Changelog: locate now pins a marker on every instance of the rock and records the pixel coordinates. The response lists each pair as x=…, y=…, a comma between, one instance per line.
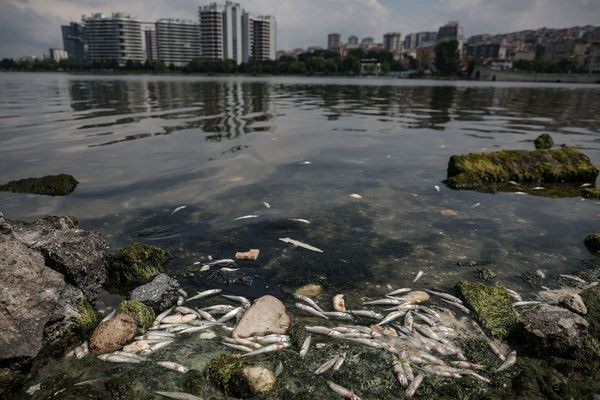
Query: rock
x=551, y=330
x=266, y=315
x=251, y=255
x=259, y=378
x=137, y=263
x=416, y=297
x=142, y=314
x=51, y=185
x=592, y=242
x=159, y=294
x=225, y=372
x=573, y=302
x=591, y=193
x=447, y=212
x=591, y=299
x=486, y=274
x=473, y=171
x=544, y=142
x=193, y=382
x=310, y=290
x=491, y=306
x=111, y=335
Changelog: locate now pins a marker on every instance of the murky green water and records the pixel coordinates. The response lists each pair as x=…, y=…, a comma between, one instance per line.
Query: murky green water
x=143, y=145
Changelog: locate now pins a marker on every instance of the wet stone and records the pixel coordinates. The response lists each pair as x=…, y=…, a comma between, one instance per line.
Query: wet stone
x=51, y=185
x=265, y=316
x=159, y=294
x=111, y=335
x=310, y=290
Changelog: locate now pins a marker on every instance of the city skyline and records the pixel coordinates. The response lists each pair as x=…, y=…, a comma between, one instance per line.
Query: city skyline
x=31, y=24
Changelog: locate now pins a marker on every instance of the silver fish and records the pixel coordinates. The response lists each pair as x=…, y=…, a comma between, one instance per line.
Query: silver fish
x=218, y=309
x=407, y=369
x=475, y=375
x=419, y=275
x=460, y=306
x=338, y=315
x=205, y=315
x=230, y=315
x=573, y=278
x=467, y=365
x=157, y=346
x=339, y=362
x=515, y=295
x=268, y=349
x=309, y=301
x=225, y=269
x=180, y=300
x=187, y=310
x=496, y=351
x=437, y=188
x=270, y=339
x=155, y=335
x=178, y=209
x=513, y=183
x=383, y=302
x=178, y=395
x=246, y=217
x=110, y=316
x=510, y=360
x=304, y=221
x=399, y=291
x=321, y=330
x=342, y=391
x=400, y=374
x=414, y=385
x=204, y=294
x=310, y=310
x=182, y=292
x=585, y=185
x=305, y=346
x=178, y=319
x=445, y=296
x=326, y=366
x=475, y=205
x=223, y=261
x=526, y=303
x=300, y=244
x=118, y=359
x=391, y=317
x=279, y=369
x=239, y=347
x=173, y=366
x=239, y=299
x=194, y=329
x=266, y=204
x=408, y=321
x=425, y=319
x=540, y=273
x=367, y=314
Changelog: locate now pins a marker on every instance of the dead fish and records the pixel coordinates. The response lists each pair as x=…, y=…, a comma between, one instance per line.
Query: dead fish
x=437, y=188
x=305, y=346
x=116, y=358
x=475, y=205
x=520, y=193
x=467, y=365
x=419, y=275
x=223, y=261
x=510, y=360
x=187, y=310
x=268, y=349
x=155, y=335
x=496, y=351
x=391, y=317
x=305, y=163
x=475, y=375
x=573, y=278
x=514, y=295
x=414, y=385
x=460, y=306
x=110, y=316
x=218, y=309
x=367, y=314
x=513, y=183
x=204, y=294
x=384, y=302
x=82, y=351
x=526, y=303
x=182, y=292
x=342, y=391
x=206, y=315
x=321, y=330
x=210, y=335
x=137, y=346
x=408, y=321
x=225, y=269
x=326, y=366
x=339, y=362
x=180, y=300
x=270, y=339
x=585, y=185
x=178, y=395
x=399, y=291
x=179, y=319
x=239, y=347
x=278, y=370
x=246, y=217
x=311, y=310
x=304, y=221
x=178, y=209
x=239, y=299
x=425, y=331
x=173, y=366
x=356, y=196
x=309, y=301
x=400, y=374
x=230, y=315
x=88, y=382
x=300, y=244
x=538, y=188
x=266, y=204
x=540, y=273
x=338, y=315
x=194, y=329
x=445, y=296
x=157, y=346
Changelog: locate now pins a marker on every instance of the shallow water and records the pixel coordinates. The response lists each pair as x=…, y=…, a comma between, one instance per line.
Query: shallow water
x=143, y=145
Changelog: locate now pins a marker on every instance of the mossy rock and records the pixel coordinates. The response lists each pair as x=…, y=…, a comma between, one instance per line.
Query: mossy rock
x=193, y=382
x=476, y=170
x=591, y=193
x=142, y=314
x=297, y=334
x=591, y=299
x=225, y=372
x=486, y=274
x=491, y=306
x=137, y=263
x=51, y=185
x=544, y=142
x=592, y=242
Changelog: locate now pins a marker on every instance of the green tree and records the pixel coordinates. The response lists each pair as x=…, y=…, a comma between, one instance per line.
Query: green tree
x=447, y=57
x=297, y=67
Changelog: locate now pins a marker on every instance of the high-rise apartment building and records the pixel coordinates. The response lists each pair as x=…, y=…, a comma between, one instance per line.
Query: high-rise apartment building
x=150, y=45
x=211, y=32
x=264, y=38
x=177, y=41
x=116, y=38
x=426, y=39
x=353, y=41
x=452, y=31
x=334, y=42
x=74, y=42
x=232, y=31
x=58, y=54
x=392, y=42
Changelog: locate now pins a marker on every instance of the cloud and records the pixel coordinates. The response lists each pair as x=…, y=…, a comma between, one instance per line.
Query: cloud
x=32, y=26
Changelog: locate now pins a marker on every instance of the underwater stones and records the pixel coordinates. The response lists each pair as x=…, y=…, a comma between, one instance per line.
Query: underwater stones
x=544, y=142
x=250, y=255
x=568, y=298
x=51, y=185
x=415, y=297
x=564, y=165
x=160, y=294
x=486, y=274
x=591, y=193
x=266, y=315
x=259, y=378
x=573, y=302
x=193, y=381
x=141, y=313
x=111, y=335
x=225, y=372
x=310, y=290
x=592, y=242
x=491, y=305
x=551, y=330
x=591, y=299
x=137, y=263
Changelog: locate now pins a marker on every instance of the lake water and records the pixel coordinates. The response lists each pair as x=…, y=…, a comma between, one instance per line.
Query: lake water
x=142, y=146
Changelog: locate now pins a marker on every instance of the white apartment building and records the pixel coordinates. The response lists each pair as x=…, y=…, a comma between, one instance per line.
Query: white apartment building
x=116, y=38
x=177, y=41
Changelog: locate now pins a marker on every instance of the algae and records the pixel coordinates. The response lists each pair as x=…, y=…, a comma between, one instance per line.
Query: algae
x=88, y=318
x=137, y=263
x=193, y=381
x=142, y=314
x=491, y=306
x=51, y=185
x=591, y=193
x=225, y=372
x=297, y=334
x=486, y=274
x=564, y=165
x=591, y=299
x=592, y=242
x=544, y=142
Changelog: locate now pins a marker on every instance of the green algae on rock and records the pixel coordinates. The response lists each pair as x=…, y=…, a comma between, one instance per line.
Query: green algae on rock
x=50, y=185
x=486, y=274
x=491, y=306
x=592, y=242
x=564, y=165
x=591, y=299
x=226, y=373
x=88, y=318
x=544, y=142
x=137, y=263
x=141, y=313
x=591, y=193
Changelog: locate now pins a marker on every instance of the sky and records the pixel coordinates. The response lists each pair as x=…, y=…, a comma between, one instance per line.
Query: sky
x=31, y=27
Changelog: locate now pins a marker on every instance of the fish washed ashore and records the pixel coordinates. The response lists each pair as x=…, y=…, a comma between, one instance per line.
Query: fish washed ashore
x=479, y=342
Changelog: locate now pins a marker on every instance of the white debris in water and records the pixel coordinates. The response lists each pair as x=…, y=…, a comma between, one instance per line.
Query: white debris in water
x=356, y=196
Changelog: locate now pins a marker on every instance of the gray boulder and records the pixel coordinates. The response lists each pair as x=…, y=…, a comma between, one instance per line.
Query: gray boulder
x=267, y=315
x=553, y=330
x=160, y=294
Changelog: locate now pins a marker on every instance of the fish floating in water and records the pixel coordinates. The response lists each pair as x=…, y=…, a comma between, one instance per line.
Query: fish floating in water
x=342, y=391
x=326, y=366
x=305, y=163
x=520, y=193
x=356, y=196
x=178, y=395
x=173, y=366
x=414, y=385
x=246, y=217
x=305, y=346
x=266, y=204
x=585, y=185
x=511, y=359
x=304, y=221
x=300, y=244
x=268, y=349
x=437, y=188
x=573, y=278
x=311, y=310
x=110, y=316
x=178, y=209
x=419, y=275
x=399, y=291
x=475, y=205
x=204, y=294
x=540, y=273
x=309, y=301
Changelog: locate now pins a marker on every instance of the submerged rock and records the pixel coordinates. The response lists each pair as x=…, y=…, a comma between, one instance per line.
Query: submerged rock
x=544, y=142
x=551, y=330
x=566, y=297
x=591, y=193
x=137, y=263
x=141, y=313
x=266, y=315
x=225, y=372
x=310, y=290
x=591, y=299
x=51, y=185
x=491, y=306
x=592, y=242
x=486, y=274
x=573, y=302
x=564, y=165
x=260, y=379
x=159, y=294
x=111, y=335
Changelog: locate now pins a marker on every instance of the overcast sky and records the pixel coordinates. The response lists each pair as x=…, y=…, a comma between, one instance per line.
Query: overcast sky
x=30, y=27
